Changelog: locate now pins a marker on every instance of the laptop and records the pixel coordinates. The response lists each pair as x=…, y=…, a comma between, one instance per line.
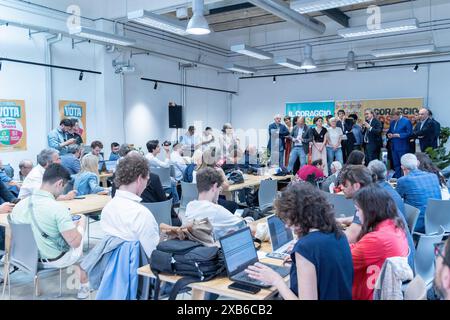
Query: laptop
x=280, y=238
x=110, y=166
x=239, y=252
x=101, y=166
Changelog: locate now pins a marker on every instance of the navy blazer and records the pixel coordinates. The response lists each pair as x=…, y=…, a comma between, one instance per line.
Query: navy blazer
x=426, y=135
x=306, y=136
x=374, y=135
x=404, y=128
x=283, y=133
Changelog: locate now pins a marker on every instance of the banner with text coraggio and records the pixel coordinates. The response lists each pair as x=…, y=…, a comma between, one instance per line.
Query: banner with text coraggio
x=13, y=126
x=74, y=110
x=309, y=110
x=383, y=108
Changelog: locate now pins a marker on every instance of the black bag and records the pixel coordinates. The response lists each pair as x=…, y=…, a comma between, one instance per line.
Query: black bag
x=250, y=197
x=190, y=259
x=236, y=177
x=257, y=213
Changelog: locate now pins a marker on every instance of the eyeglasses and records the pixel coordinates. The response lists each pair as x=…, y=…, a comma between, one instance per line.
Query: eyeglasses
x=438, y=251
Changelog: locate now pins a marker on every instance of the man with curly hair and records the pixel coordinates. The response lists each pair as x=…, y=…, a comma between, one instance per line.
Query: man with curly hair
x=124, y=217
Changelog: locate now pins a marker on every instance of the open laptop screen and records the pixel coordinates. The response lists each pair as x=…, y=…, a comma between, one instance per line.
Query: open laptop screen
x=239, y=250
x=110, y=166
x=279, y=234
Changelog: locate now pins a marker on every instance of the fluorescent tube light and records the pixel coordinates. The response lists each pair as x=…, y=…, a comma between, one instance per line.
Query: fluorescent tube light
x=380, y=53
x=307, y=6
x=252, y=52
x=100, y=36
x=158, y=21
x=387, y=27
x=242, y=69
x=288, y=63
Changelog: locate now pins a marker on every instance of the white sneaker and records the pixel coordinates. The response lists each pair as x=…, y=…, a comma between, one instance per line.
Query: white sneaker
x=83, y=292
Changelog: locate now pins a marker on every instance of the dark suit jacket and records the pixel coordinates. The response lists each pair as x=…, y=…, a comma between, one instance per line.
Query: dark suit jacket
x=306, y=136
x=374, y=135
x=404, y=128
x=426, y=135
x=284, y=132
x=5, y=194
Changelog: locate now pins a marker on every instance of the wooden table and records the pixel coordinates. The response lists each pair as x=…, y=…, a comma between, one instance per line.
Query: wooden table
x=220, y=285
x=104, y=178
x=91, y=204
x=253, y=181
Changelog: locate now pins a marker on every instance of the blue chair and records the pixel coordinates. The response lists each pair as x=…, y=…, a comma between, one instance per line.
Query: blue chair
x=162, y=211
x=343, y=207
x=411, y=215
x=437, y=215
x=267, y=193
x=189, y=193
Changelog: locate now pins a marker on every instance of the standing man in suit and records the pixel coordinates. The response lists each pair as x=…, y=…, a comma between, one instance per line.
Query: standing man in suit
x=372, y=130
x=301, y=137
x=425, y=130
x=399, y=132
x=277, y=133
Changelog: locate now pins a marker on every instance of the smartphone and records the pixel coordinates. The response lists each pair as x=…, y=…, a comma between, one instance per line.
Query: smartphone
x=244, y=287
x=80, y=197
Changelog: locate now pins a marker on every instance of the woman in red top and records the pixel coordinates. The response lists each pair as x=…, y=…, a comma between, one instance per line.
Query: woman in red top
x=311, y=172
x=382, y=236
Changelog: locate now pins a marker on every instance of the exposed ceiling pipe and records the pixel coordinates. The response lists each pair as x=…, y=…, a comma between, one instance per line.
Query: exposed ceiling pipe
x=282, y=10
x=50, y=41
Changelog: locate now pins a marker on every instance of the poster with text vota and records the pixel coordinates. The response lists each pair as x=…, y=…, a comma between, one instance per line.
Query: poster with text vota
x=309, y=110
x=74, y=110
x=13, y=126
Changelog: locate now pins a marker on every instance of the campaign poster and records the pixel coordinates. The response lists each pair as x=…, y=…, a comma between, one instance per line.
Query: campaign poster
x=13, y=126
x=74, y=110
x=309, y=110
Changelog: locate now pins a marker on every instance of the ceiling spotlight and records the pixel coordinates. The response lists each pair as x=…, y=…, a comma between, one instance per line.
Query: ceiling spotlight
x=416, y=68
x=274, y=79
x=0, y=66
x=156, y=85
x=308, y=62
x=81, y=76
x=198, y=24
x=351, y=64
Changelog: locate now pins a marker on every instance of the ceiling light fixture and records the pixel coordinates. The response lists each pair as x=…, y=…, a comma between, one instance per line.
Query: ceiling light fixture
x=241, y=69
x=100, y=36
x=274, y=79
x=308, y=61
x=416, y=68
x=288, y=63
x=251, y=52
x=198, y=24
x=404, y=51
x=351, y=64
x=81, y=76
x=158, y=21
x=307, y=6
x=387, y=27
x=156, y=85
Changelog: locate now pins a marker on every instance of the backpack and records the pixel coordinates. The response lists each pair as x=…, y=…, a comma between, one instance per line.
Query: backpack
x=190, y=259
x=236, y=177
x=188, y=173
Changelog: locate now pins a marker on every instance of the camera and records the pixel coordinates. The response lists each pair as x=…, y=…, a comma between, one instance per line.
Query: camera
x=167, y=144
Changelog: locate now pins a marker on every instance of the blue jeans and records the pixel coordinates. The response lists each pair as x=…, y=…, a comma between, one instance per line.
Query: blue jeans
x=173, y=191
x=296, y=152
x=334, y=155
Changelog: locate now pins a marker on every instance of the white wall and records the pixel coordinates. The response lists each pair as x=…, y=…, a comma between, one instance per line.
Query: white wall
x=146, y=109
x=260, y=99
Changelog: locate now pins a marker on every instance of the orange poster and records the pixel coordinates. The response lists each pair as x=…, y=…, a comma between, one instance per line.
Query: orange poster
x=13, y=126
x=74, y=110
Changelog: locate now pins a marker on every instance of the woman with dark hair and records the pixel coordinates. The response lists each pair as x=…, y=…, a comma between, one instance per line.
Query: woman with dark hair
x=322, y=266
x=382, y=236
x=356, y=157
x=425, y=164
x=319, y=150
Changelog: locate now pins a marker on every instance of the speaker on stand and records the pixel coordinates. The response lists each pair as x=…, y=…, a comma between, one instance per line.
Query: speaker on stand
x=175, y=117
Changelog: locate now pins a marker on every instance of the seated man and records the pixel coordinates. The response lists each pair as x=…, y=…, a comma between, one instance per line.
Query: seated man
x=124, y=216
x=9, y=182
x=209, y=185
x=34, y=179
x=58, y=138
x=96, y=150
x=332, y=179
x=176, y=158
x=59, y=239
x=114, y=156
x=71, y=160
x=311, y=172
x=416, y=187
x=25, y=166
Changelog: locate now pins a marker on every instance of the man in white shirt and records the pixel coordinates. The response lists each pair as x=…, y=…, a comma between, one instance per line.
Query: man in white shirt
x=209, y=185
x=190, y=141
x=33, y=180
x=208, y=139
x=178, y=162
x=124, y=217
x=153, y=150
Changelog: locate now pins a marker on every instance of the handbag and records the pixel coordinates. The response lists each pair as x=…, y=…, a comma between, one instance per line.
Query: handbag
x=200, y=231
